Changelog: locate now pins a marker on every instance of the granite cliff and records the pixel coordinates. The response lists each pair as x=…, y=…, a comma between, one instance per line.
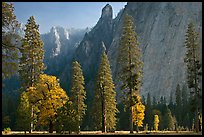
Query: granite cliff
x=161, y=27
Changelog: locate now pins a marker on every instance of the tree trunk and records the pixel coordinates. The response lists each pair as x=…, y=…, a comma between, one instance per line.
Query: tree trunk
x=78, y=129
x=137, y=129
x=131, y=121
x=50, y=127
x=196, y=121
x=31, y=122
x=103, y=116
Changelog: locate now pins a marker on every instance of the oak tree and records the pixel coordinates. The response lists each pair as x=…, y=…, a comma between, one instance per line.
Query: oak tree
x=48, y=96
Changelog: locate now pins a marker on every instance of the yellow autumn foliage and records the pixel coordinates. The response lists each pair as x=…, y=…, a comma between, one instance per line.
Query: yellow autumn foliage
x=156, y=122
x=48, y=96
x=138, y=113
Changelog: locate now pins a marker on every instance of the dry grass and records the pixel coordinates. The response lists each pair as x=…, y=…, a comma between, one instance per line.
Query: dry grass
x=100, y=133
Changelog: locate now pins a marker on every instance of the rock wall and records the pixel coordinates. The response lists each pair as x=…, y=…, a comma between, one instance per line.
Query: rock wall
x=161, y=27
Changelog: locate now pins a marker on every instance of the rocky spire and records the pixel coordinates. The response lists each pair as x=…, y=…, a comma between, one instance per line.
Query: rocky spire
x=107, y=12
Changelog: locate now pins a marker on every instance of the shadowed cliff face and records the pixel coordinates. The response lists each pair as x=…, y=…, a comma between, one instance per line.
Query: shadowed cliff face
x=89, y=52
x=161, y=29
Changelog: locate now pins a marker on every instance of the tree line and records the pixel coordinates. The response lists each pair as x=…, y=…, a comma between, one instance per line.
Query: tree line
x=174, y=115
x=45, y=105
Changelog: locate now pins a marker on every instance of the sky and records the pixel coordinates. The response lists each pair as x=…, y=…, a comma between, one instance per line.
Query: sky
x=64, y=14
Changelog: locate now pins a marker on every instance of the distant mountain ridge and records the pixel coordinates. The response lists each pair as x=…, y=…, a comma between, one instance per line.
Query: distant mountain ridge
x=60, y=44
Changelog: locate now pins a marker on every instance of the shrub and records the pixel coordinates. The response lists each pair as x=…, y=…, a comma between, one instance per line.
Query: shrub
x=7, y=130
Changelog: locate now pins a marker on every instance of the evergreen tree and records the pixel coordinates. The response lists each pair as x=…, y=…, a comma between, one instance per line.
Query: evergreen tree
x=178, y=104
x=66, y=118
x=31, y=61
x=32, y=54
x=171, y=103
x=130, y=65
x=143, y=100
x=193, y=69
x=191, y=112
x=154, y=103
x=184, y=103
x=122, y=117
x=104, y=104
x=162, y=105
x=168, y=120
x=78, y=93
x=10, y=40
x=24, y=113
x=148, y=110
x=164, y=101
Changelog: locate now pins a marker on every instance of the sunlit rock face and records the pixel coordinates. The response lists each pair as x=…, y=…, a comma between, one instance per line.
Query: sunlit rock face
x=59, y=46
x=161, y=28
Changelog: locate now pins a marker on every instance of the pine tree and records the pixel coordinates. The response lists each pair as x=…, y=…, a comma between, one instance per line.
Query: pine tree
x=24, y=113
x=66, y=118
x=31, y=61
x=143, y=100
x=178, y=104
x=104, y=109
x=191, y=111
x=193, y=68
x=130, y=65
x=148, y=110
x=78, y=93
x=10, y=40
x=184, y=103
x=154, y=103
x=156, y=122
x=32, y=54
x=168, y=120
x=162, y=105
x=171, y=105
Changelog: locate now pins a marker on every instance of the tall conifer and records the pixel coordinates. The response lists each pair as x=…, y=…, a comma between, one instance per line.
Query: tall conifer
x=104, y=98
x=193, y=69
x=78, y=93
x=130, y=65
x=31, y=62
x=10, y=40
